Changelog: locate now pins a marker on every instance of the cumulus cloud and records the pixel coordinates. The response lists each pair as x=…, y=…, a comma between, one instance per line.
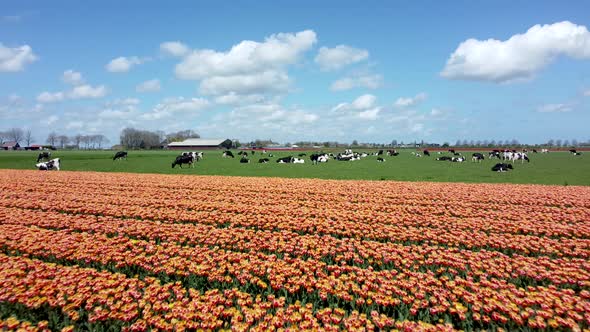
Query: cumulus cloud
x=233, y=98
x=361, y=81
x=149, y=86
x=246, y=57
x=171, y=106
x=72, y=77
x=260, y=82
x=15, y=59
x=78, y=92
x=339, y=56
x=123, y=64
x=174, y=48
x=371, y=114
x=50, y=120
x=520, y=57
x=410, y=101
x=554, y=108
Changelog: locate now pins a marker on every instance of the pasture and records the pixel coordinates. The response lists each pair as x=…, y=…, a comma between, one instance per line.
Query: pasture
x=560, y=168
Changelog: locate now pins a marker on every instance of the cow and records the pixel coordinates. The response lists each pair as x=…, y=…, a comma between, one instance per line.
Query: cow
x=458, y=159
x=244, y=160
x=534, y=150
x=44, y=155
x=227, y=154
x=263, y=161
x=502, y=167
x=301, y=155
x=494, y=154
x=120, y=155
x=444, y=158
x=184, y=160
x=572, y=151
x=298, y=161
x=253, y=152
x=380, y=160
x=392, y=152
x=544, y=150
x=477, y=157
x=49, y=165
x=380, y=153
x=426, y=153
x=318, y=158
x=270, y=155
x=285, y=160
x=452, y=151
x=578, y=154
x=197, y=155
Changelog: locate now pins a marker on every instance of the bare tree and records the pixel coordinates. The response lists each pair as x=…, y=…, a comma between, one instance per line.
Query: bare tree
x=16, y=134
x=63, y=140
x=100, y=139
x=77, y=140
x=52, y=138
x=28, y=137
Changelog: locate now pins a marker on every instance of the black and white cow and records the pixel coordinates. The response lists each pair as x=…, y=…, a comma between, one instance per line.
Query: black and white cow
x=502, y=167
x=319, y=158
x=44, y=155
x=392, y=152
x=263, y=161
x=534, y=150
x=477, y=157
x=298, y=161
x=184, y=160
x=380, y=160
x=380, y=153
x=244, y=159
x=49, y=165
x=285, y=160
x=573, y=151
x=426, y=153
x=444, y=158
x=195, y=154
x=227, y=154
x=578, y=154
x=120, y=155
x=458, y=159
x=495, y=154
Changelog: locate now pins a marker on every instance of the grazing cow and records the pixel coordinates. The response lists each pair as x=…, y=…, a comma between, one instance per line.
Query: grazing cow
x=380, y=160
x=458, y=159
x=244, y=160
x=318, y=158
x=392, y=152
x=477, y=157
x=501, y=167
x=573, y=151
x=184, y=160
x=534, y=150
x=120, y=155
x=380, y=153
x=298, y=161
x=285, y=160
x=444, y=158
x=426, y=153
x=197, y=155
x=227, y=154
x=49, y=165
x=263, y=161
x=494, y=154
x=44, y=155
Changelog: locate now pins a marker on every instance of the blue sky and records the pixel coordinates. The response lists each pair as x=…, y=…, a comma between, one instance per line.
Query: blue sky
x=368, y=71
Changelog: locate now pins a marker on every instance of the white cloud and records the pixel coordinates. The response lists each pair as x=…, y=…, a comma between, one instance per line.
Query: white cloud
x=362, y=107
x=554, y=108
x=170, y=106
x=78, y=92
x=339, y=56
x=255, y=83
x=233, y=98
x=410, y=101
x=87, y=91
x=174, y=48
x=364, y=102
x=149, y=86
x=74, y=125
x=123, y=64
x=521, y=56
x=362, y=81
x=50, y=120
x=48, y=97
x=247, y=57
x=15, y=59
x=371, y=114
x=72, y=77
x=436, y=112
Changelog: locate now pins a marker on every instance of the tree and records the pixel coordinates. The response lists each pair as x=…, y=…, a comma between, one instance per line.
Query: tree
x=77, y=140
x=16, y=134
x=62, y=140
x=182, y=135
x=139, y=139
x=558, y=142
x=28, y=137
x=551, y=142
x=458, y=143
x=574, y=142
x=101, y=139
x=566, y=143
x=394, y=142
x=355, y=143
x=51, y=138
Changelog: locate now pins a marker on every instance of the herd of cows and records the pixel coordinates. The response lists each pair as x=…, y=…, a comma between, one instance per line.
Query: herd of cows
x=506, y=157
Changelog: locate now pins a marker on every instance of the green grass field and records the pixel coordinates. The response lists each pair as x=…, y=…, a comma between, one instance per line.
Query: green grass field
x=559, y=168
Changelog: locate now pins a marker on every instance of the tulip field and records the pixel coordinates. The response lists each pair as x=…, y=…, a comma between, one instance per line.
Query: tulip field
x=138, y=252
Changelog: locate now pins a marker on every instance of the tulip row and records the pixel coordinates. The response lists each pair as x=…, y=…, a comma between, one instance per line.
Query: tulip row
x=380, y=256
x=310, y=279
x=138, y=305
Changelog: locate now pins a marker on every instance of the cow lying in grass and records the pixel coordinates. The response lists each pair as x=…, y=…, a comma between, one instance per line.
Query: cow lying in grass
x=49, y=165
x=502, y=167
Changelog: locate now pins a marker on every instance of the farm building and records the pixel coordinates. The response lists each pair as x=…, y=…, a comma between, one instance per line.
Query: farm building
x=199, y=143
x=10, y=146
